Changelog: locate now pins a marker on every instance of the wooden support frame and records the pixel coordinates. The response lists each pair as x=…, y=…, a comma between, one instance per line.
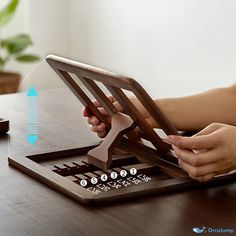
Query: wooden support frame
x=88, y=76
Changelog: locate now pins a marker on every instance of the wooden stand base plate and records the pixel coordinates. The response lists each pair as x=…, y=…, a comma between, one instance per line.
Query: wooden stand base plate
x=68, y=170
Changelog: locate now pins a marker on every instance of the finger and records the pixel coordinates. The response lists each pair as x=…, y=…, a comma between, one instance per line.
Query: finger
x=152, y=122
x=118, y=106
x=110, y=97
x=96, y=103
x=93, y=120
x=103, y=111
x=220, y=166
x=99, y=128
x=194, y=171
x=86, y=112
x=197, y=159
x=208, y=130
x=204, y=178
x=102, y=134
x=114, y=103
x=194, y=143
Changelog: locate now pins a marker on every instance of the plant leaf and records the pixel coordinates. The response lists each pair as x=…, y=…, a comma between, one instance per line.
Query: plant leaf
x=1, y=61
x=8, y=12
x=27, y=58
x=17, y=44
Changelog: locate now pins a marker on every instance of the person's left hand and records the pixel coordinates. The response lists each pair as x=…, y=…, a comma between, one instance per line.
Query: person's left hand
x=210, y=152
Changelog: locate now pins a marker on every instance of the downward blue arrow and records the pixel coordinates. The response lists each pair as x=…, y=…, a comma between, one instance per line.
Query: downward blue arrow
x=32, y=92
x=32, y=138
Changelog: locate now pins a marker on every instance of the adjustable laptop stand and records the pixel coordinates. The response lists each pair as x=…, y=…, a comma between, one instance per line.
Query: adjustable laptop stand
x=122, y=166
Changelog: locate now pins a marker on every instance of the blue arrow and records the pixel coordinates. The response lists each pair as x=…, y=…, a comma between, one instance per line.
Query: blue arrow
x=32, y=138
x=32, y=135
x=32, y=92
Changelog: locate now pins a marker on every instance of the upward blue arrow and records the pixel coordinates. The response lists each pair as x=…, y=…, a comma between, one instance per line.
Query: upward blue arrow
x=32, y=138
x=32, y=92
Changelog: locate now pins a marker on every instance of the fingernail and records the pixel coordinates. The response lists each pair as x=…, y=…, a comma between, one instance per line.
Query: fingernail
x=172, y=139
x=173, y=147
x=173, y=153
x=93, y=119
x=164, y=140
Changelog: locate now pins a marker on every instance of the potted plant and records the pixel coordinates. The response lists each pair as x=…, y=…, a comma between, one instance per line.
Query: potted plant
x=12, y=48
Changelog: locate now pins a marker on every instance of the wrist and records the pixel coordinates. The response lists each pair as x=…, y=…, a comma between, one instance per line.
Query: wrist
x=168, y=108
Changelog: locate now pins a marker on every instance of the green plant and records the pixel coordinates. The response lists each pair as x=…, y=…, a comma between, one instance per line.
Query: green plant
x=13, y=47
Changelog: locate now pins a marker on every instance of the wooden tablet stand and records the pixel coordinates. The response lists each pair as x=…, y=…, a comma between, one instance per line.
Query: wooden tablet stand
x=122, y=166
x=121, y=124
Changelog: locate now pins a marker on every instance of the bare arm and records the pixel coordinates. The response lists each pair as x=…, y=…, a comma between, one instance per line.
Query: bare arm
x=186, y=113
x=197, y=111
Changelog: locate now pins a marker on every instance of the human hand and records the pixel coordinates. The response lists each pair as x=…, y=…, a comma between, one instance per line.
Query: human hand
x=100, y=128
x=210, y=152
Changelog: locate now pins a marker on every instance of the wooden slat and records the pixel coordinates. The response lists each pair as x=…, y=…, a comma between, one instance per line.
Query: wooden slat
x=70, y=165
x=136, y=116
x=81, y=177
x=98, y=94
x=79, y=93
x=154, y=110
x=90, y=72
x=60, y=167
x=90, y=175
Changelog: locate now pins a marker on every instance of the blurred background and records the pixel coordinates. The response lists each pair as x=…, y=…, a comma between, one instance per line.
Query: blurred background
x=172, y=47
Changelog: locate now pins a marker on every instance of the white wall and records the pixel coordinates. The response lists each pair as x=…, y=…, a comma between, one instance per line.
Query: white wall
x=172, y=47
x=47, y=23
x=19, y=24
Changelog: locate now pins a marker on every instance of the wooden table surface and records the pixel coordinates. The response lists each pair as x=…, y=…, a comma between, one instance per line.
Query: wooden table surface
x=28, y=207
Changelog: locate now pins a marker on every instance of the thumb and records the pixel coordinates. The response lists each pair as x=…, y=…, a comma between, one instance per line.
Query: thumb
x=193, y=143
x=208, y=130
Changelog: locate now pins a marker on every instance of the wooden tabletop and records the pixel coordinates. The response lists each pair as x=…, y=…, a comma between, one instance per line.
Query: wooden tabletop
x=28, y=207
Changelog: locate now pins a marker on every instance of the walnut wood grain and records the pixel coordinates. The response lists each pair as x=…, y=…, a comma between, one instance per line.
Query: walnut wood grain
x=101, y=156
